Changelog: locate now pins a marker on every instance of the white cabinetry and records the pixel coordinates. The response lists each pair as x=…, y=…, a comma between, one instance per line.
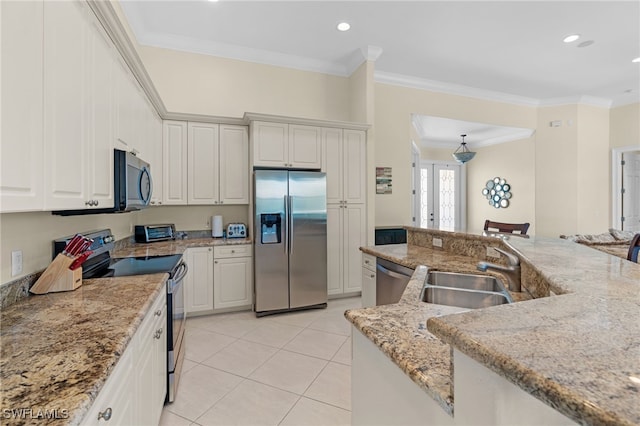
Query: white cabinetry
x=203, y=185
x=368, y=280
x=21, y=149
x=286, y=145
x=344, y=160
x=174, y=157
x=232, y=276
x=234, y=164
x=135, y=391
x=155, y=159
x=198, y=288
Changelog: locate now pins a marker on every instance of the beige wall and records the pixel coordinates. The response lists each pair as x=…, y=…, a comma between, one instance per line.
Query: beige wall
x=201, y=84
x=33, y=233
x=193, y=218
x=394, y=106
x=624, y=126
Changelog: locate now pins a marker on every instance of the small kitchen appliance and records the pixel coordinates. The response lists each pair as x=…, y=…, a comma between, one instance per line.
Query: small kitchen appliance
x=216, y=226
x=151, y=233
x=236, y=230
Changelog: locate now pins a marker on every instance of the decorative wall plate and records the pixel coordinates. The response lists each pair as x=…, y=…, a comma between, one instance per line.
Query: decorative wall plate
x=498, y=192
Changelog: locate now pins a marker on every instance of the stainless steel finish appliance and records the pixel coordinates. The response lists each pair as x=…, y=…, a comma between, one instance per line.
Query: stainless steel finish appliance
x=151, y=233
x=132, y=186
x=391, y=281
x=290, y=239
x=100, y=264
x=236, y=230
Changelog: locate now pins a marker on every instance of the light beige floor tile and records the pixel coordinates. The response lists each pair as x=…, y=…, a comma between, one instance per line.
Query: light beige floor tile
x=346, y=303
x=289, y=371
x=250, y=403
x=333, y=386
x=233, y=325
x=332, y=323
x=201, y=344
x=241, y=357
x=187, y=365
x=343, y=356
x=316, y=343
x=272, y=334
x=308, y=412
x=199, y=389
x=170, y=419
x=297, y=318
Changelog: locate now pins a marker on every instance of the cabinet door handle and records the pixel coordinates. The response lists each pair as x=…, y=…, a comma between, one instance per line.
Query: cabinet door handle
x=233, y=251
x=158, y=312
x=215, y=261
x=158, y=334
x=372, y=276
x=106, y=414
x=366, y=261
x=209, y=248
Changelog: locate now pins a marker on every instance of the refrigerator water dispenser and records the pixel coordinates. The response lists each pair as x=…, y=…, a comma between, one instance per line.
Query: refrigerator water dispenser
x=271, y=224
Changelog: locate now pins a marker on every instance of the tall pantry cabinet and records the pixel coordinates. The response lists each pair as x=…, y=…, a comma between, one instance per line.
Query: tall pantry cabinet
x=344, y=161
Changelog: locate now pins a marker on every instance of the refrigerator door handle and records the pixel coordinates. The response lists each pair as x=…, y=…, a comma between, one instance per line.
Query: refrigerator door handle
x=286, y=224
x=290, y=229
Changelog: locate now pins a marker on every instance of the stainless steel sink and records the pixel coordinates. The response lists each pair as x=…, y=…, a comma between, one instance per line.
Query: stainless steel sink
x=467, y=281
x=464, y=290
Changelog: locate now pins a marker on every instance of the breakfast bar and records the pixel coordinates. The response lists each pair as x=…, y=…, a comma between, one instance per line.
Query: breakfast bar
x=571, y=340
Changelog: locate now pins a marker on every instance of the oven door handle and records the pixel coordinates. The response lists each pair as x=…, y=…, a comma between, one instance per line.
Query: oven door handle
x=181, y=272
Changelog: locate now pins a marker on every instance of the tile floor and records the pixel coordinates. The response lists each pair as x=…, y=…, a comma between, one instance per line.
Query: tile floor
x=287, y=369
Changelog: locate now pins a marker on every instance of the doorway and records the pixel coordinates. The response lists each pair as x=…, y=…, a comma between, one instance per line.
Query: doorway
x=441, y=196
x=626, y=188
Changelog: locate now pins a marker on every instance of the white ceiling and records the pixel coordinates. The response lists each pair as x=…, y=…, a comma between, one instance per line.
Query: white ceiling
x=501, y=50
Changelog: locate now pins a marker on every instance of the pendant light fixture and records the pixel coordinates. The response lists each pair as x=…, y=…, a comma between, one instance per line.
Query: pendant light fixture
x=462, y=154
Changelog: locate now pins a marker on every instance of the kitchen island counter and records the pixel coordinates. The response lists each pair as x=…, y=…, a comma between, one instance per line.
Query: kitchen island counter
x=577, y=352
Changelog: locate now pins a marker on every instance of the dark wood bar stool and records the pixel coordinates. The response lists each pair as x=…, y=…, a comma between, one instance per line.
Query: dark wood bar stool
x=506, y=228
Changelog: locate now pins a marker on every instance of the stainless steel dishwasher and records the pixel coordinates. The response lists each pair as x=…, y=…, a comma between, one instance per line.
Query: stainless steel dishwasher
x=391, y=281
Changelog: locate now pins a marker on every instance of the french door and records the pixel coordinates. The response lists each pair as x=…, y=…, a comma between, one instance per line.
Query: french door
x=442, y=199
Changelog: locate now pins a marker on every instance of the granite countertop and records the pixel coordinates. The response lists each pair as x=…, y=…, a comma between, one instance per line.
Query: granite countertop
x=576, y=351
x=57, y=350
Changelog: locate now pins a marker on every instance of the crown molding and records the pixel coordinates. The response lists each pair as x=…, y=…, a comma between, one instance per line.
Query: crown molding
x=255, y=116
x=577, y=100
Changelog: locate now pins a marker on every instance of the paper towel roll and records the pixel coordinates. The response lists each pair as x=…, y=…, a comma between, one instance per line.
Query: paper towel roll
x=216, y=226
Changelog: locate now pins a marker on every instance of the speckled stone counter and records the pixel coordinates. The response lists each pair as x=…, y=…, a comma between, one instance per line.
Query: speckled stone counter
x=576, y=352
x=58, y=349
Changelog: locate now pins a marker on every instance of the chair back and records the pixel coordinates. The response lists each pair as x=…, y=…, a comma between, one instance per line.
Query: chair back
x=634, y=249
x=506, y=228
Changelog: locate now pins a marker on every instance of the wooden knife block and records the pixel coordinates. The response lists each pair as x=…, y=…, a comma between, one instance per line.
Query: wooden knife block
x=58, y=277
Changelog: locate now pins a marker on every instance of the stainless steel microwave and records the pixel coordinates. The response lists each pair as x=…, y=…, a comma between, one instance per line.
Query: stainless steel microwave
x=132, y=182
x=132, y=186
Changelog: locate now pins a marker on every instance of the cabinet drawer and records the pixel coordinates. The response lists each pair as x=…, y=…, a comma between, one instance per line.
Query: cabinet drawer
x=221, y=252
x=369, y=262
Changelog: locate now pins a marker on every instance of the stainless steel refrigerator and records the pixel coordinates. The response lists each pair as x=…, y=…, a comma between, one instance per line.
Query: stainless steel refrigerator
x=290, y=239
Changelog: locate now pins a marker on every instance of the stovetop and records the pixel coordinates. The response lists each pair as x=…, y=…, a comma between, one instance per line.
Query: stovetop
x=127, y=266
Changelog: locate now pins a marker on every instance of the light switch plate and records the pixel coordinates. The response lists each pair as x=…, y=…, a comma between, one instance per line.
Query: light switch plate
x=437, y=242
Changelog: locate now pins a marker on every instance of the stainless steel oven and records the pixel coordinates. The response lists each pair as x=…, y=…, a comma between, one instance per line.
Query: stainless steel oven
x=176, y=320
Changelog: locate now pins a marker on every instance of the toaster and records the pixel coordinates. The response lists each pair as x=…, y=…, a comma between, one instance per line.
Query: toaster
x=236, y=230
x=151, y=233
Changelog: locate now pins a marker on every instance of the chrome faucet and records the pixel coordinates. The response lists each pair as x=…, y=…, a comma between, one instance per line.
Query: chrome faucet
x=511, y=271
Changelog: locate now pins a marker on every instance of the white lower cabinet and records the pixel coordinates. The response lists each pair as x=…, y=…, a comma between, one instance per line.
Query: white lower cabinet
x=232, y=277
x=198, y=288
x=135, y=391
x=368, y=280
x=346, y=233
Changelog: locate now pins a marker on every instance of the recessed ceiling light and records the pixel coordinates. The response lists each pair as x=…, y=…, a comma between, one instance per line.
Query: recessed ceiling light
x=343, y=26
x=586, y=43
x=636, y=60
x=571, y=38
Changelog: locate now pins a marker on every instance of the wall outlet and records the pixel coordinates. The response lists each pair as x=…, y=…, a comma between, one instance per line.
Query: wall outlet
x=16, y=263
x=491, y=252
x=437, y=242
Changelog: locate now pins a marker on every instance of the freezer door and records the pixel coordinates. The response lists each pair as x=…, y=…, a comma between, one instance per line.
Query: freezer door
x=271, y=258
x=307, y=239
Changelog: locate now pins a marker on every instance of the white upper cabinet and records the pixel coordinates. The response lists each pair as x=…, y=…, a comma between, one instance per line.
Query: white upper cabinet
x=286, y=145
x=270, y=144
x=21, y=150
x=234, y=164
x=344, y=161
x=174, y=160
x=203, y=181
x=218, y=164
x=155, y=159
x=65, y=100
